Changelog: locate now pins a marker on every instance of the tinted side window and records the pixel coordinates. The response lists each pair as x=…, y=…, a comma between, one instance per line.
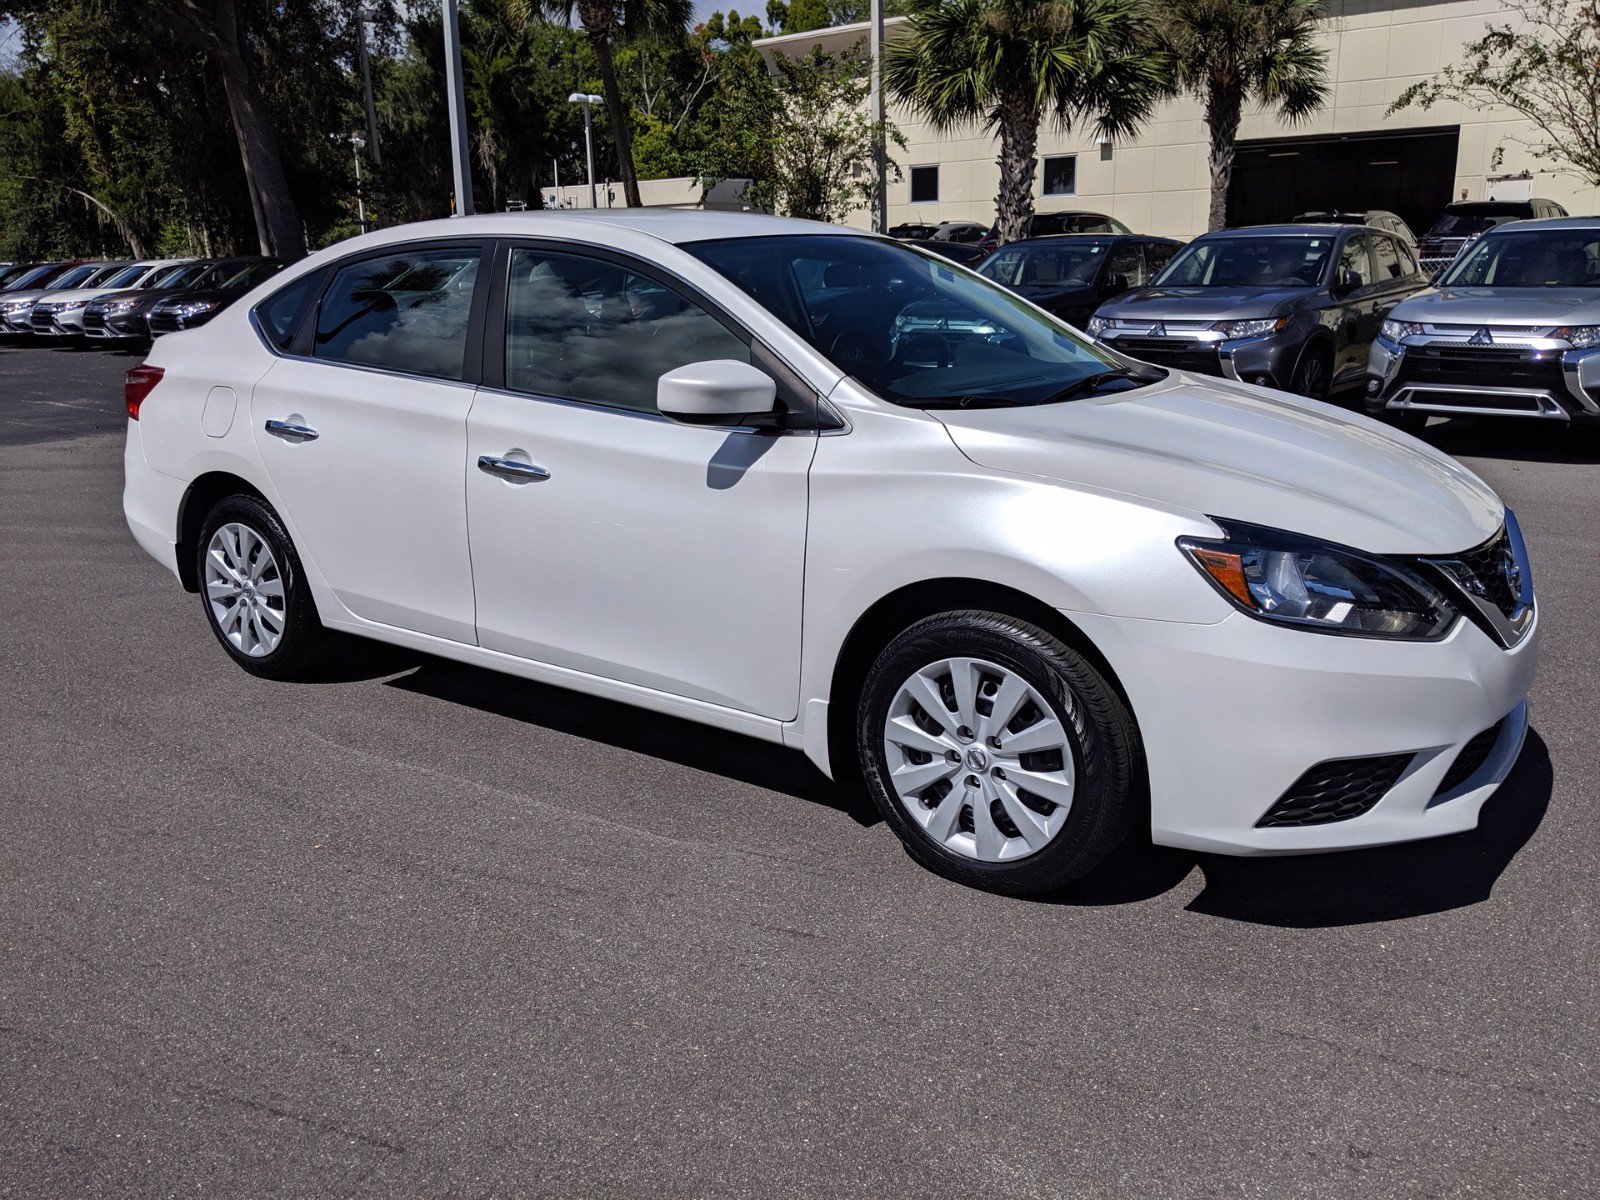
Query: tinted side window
x=403, y=312
x=1354, y=258
x=1127, y=260
x=1386, y=263
x=580, y=328
x=1157, y=255
x=279, y=313
x=1408, y=260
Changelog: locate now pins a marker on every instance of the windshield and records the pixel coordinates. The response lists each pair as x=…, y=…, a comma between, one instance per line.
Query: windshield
x=126, y=277
x=1539, y=258
x=1072, y=261
x=251, y=275
x=1475, y=218
x=182, y=276
x=1265, y=262
x=31, y=278
x=909, y=326
x=75, y=277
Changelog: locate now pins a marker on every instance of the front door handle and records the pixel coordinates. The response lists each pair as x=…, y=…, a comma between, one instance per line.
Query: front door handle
x=291, y=432
x=510, y=468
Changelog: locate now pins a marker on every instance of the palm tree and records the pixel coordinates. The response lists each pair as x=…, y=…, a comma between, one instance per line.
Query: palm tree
x=607, y=23
x=1227, y=53
x=1007, y=64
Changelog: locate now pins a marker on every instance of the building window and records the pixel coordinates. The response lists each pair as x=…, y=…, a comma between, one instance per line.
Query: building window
x=924, y=185
x=1061, y=175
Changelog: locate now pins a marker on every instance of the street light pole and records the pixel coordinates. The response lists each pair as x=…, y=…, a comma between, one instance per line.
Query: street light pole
x=588, y=103
x=457, y=99
x=356, y=143
x=880, y=167
x=362, y=17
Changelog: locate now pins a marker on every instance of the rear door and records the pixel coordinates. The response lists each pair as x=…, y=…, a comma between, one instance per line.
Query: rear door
x=362, y=426
x=1356, y=325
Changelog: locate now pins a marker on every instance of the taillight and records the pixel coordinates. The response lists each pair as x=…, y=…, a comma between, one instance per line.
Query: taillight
x=136, y=385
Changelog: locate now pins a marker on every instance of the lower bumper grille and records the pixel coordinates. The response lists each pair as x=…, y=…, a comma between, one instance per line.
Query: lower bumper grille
x=1473, y=755
x=1172, y=352
x=1335, y=791
x=161, y=322
x=94, y=323
x=1487, y=367
x=43, y=323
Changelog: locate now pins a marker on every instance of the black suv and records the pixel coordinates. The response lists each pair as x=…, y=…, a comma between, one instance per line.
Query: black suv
x=1074, y=274
x=1375, y=218
x=1458, y=224
x=1286, y=306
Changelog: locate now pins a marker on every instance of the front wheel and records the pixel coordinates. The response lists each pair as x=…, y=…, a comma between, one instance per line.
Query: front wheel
x=256, y=598
x=1000, y=756
x=1312, y=374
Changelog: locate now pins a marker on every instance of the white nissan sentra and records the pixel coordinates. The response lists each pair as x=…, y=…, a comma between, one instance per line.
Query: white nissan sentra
x=816, y=487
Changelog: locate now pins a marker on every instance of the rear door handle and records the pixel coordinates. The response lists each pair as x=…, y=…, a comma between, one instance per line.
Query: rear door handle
x=290, y=432
x=510, y=468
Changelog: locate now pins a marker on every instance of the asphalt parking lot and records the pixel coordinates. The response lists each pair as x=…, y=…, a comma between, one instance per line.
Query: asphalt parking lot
x=424, y=930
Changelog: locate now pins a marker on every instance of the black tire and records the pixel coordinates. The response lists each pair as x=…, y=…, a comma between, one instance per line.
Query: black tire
x=305, y=646
x=1107, y=758
x=1313, y=374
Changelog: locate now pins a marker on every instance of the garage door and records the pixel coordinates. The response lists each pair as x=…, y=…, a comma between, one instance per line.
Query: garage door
x=1408, y=173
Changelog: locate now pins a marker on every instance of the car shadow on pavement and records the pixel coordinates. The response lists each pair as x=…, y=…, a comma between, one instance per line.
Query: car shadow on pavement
x=1357, y=886
x=701, y=747
x=1522, y=441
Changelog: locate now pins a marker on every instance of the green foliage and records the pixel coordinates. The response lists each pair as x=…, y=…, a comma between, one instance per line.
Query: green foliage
x=1545, y=66
x=800, y=136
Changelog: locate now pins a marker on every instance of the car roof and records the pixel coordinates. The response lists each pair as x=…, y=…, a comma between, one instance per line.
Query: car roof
x=1056, y=239
x=1307, y=228
x=1574, y=223
x=674, y=225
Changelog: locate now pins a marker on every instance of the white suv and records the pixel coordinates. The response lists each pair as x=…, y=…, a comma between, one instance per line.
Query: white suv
x=823, y=489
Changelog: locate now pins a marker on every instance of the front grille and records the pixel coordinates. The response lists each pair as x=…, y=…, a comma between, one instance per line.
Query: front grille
x=1486, y=566
x=1182, y=353
x=94, y=321
x=1335, y=791
x=1482, y=366
x=1472, y=756
x=164, y=322
x=43, y=322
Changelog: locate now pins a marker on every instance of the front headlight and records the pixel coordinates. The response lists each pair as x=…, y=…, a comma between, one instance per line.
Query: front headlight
x=1395, y=330
x=1252, y=328
x=1300, y=581
x=194, y=307
x=1097, y=326
x=115, y=308
x=1581, y=336
x=16, y=306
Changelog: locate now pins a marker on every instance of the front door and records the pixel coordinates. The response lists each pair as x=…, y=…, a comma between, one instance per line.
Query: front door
x=363, y=432
x=609, y=539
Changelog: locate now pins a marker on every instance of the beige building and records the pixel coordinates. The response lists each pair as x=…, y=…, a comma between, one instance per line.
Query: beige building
x=1349, y=155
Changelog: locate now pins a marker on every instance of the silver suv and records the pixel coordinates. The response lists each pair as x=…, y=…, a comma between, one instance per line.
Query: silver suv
x=1511, y=329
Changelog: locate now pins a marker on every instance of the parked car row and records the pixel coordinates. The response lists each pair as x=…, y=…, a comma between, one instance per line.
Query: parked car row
x=122, y=302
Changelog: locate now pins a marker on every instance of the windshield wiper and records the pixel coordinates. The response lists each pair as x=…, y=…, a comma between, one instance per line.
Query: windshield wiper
x=1093, y=383
x=960, y=402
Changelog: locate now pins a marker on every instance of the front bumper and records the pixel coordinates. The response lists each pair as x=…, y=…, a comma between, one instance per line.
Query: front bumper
x=1269, y=361
x=18, y=321
x=1232, y=715
x=124, y=326
x=1540, y=379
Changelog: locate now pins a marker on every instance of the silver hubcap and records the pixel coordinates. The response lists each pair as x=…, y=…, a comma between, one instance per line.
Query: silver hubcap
x=979, y=759
x=245, y=589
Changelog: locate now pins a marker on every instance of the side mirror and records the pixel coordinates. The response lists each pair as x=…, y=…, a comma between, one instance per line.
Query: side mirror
x=1115, y=282
x=720, y=391
x=1345, y=281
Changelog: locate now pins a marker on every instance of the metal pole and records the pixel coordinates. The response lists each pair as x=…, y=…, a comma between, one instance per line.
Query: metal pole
x=556, y=163
x=880, y=167
x=457, y=100
x=361, y=207
x=366, y=83
x=588, y=148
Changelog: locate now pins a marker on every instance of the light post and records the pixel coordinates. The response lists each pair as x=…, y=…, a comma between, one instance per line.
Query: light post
x=880, y=168
x=363, y=15
x=457, y=100
x=588, y=103
x=357, y=144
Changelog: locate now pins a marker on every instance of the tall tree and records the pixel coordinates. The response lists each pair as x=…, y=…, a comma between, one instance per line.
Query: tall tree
x=1230, y=53
x=214, y=27
x=1007, y=65
x=607, y=24
x=1545, y=65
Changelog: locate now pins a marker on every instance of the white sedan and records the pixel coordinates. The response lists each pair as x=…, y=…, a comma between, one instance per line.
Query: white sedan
x=820, y=488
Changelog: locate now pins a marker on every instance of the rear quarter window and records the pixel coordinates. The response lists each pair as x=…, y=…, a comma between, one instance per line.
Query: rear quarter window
x=278, y=316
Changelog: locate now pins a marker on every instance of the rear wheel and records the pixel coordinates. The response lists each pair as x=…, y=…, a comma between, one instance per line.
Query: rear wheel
x=254, y=590
x=1000, y=756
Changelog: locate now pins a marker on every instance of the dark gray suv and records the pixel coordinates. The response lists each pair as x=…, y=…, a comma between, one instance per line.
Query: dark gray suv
x=1284, y=306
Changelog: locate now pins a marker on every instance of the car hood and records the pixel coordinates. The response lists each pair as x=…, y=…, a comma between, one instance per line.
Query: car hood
x=1221, y=449
x=1046, y=294
x=1207, y=303
x=32, y=295
x=76, y=295
x=1502, y=306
